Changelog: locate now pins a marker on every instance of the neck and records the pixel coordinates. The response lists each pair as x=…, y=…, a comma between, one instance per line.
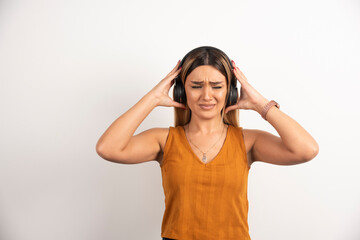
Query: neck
x=206, y=127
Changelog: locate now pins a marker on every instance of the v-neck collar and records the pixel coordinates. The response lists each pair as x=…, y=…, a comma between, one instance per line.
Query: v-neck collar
x=219, y=153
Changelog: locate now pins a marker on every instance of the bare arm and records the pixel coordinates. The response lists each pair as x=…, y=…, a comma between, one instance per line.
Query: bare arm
x=295, y=145
x=118, y=135
x=293, y=135
x=118, y=144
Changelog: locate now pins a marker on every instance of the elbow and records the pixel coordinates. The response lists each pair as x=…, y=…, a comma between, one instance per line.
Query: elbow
x=108, y=155
x=311, y=153
x=100, y=151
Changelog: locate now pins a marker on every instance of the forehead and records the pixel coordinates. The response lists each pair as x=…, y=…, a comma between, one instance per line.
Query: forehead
x=206, y=73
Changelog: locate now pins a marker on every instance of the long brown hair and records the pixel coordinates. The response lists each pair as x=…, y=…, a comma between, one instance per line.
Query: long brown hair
x=218, y=60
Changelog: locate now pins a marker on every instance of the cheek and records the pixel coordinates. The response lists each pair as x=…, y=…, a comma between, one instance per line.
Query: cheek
x=222, y=94
x=190, y=95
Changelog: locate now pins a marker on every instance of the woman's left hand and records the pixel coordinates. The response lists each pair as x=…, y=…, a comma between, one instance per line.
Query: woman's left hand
x=249, y=97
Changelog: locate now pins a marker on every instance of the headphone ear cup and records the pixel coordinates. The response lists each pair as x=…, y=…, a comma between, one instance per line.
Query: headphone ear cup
x=179, y=91
x=233, y=93
x=233, y=96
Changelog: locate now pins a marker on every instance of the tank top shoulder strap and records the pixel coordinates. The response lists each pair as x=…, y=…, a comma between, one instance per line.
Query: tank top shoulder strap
x=240, y=138
x=173, y=139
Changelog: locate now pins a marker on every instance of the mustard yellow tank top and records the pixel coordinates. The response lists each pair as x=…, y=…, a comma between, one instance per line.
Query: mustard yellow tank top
x=205, y=201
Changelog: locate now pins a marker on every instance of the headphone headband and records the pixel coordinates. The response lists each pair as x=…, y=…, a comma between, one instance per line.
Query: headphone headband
x=207, y=48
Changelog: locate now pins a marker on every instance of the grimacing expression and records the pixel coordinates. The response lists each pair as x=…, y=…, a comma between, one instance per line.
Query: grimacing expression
x=206, y=89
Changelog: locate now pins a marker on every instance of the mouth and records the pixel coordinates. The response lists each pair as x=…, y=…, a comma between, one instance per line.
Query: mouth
x=207, y=106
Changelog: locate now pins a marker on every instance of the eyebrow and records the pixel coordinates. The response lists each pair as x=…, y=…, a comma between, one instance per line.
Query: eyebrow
x=199, y=82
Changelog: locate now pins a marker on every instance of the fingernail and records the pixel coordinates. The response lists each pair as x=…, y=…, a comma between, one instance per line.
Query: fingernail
x=180, y=68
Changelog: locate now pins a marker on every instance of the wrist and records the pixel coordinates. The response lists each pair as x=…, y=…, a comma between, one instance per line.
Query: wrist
x=152, y=98
x=259, y=106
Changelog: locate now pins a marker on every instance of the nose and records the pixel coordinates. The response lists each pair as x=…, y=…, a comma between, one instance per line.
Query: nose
x=207, y=92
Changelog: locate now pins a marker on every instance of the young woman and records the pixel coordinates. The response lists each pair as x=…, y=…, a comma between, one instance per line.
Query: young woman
x=206, y=157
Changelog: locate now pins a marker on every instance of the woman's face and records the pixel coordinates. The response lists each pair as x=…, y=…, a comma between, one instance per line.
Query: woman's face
x=205, y=89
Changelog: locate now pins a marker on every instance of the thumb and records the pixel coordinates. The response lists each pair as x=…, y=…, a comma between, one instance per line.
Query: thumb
x=177, y=104
x=230, y=109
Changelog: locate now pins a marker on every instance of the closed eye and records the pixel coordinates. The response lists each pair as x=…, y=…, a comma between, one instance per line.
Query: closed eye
x=200, y=87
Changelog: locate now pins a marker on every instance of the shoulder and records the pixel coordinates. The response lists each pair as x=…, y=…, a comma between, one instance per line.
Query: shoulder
x=161, y=135
x=249, y=136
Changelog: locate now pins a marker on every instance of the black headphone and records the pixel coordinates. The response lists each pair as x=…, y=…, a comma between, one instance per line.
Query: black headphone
x=179, y=89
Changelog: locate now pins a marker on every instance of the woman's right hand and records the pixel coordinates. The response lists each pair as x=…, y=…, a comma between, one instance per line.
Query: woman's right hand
x=161, y=90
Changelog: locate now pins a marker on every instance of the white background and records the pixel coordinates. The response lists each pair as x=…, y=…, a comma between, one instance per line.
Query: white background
x=68, y=69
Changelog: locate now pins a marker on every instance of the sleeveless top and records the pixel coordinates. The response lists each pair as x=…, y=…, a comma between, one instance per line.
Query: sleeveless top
x=205, y=200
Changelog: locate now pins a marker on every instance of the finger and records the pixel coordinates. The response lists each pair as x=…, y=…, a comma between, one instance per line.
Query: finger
x=233, y=63
x=237, y=75
x=177, y=65
x=241, y=77
x=175, y=68
x=172, y=82
x=240, y=72
x=236, y=67
x=172, y=75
